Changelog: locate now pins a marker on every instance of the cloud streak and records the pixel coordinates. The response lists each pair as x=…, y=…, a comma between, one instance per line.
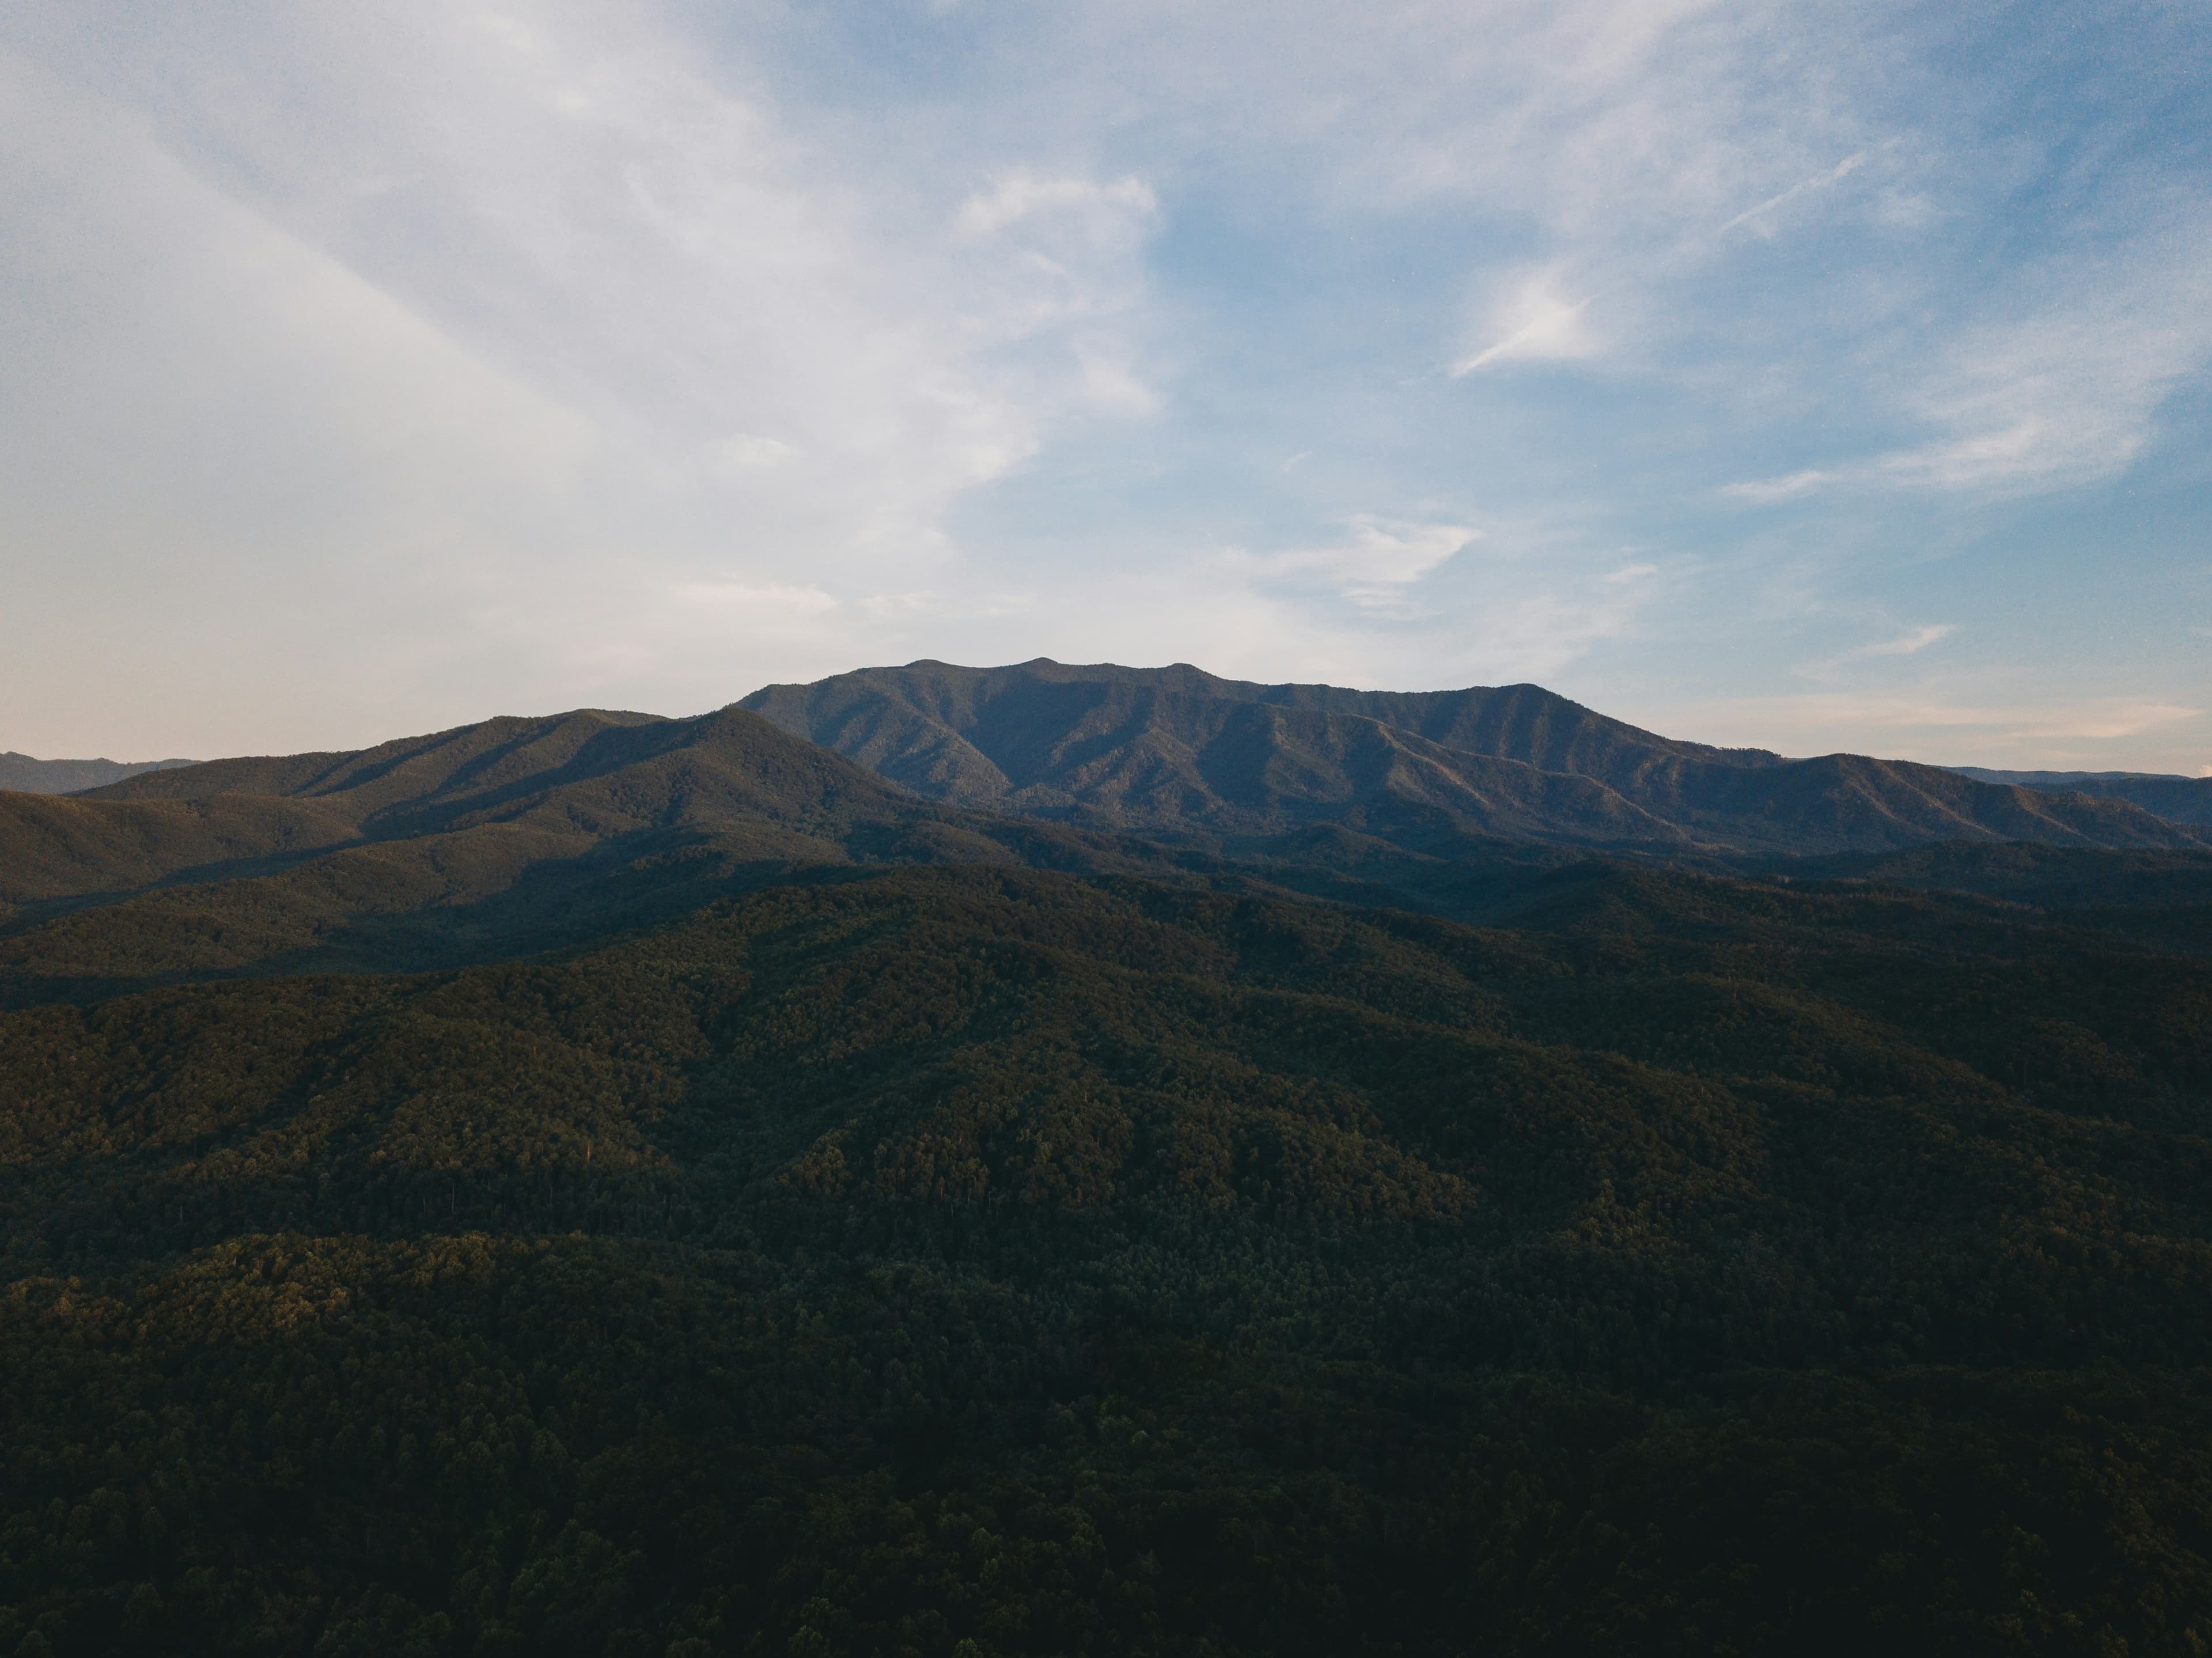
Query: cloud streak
x=1834, y=175
x=1372, y=567
x=1022, y=195
x=1911, y=642
x=1534, y=323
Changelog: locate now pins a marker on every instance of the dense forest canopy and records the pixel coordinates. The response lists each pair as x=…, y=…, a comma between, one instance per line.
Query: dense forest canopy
x=596, y=1188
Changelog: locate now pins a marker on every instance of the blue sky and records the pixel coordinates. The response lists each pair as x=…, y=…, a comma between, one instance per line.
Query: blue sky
x=1816, y=377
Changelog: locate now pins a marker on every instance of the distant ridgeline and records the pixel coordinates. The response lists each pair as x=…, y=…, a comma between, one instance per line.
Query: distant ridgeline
x=2182, y=800
x=25, y=775
x=1076, y=1160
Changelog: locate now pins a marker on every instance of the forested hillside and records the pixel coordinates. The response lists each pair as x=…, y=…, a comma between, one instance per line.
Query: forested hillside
x=965, y=1261
x=464, y=845
x=2178, y=799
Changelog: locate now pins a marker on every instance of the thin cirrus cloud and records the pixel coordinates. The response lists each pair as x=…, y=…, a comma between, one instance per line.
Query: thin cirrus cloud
x=1932, y=724
x=2107, y=718
x=711, y=356
x=2067, y=394
x=460, y=358
x=1760, y=217
x=1374, y=566
x=1911, y=642
x=1023, y=194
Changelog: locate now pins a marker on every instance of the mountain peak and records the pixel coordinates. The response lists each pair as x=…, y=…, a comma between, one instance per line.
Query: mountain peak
x=1178, y=748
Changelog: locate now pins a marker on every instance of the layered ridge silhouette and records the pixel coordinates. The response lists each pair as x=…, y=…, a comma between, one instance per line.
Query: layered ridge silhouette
x=24, y=775
x=2178, y=799
x=516, y=833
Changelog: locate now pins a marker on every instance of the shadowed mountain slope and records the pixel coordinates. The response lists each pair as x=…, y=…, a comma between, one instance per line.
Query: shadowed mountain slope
x=590, y=775
x=2179, y=799
x=1178, y=749
x=20, y=773
x=57, y=848
x=510, y=833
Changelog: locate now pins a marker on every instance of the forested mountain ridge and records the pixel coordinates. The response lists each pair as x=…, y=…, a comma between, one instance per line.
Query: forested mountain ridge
x=583, y=779
x=2182, y=800
x=1117, y=749
x=415, y=770
x=1176, y=748
x=520, y=825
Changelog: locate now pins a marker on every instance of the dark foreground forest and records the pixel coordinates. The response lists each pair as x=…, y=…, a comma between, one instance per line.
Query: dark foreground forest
x=984, y=1260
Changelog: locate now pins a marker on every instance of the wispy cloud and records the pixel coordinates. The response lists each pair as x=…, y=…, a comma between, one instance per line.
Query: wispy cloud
x=1371, y=567
x=2105, y=719
x=576, y=351
x=522, y=307
x=1022, y=194
x=1533, y=322
x=2065, y=393
x=1788, y=487
x=1517, y=604
x=1911, y=642
x=1834, y=175
x=1928, y=724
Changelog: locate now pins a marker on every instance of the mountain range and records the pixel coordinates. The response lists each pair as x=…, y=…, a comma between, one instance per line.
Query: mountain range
x=515, y=833
x=975, y=1163
x=1176, y=749
x=935, y=763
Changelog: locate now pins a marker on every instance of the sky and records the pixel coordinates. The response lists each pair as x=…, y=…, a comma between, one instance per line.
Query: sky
x=1813, y=377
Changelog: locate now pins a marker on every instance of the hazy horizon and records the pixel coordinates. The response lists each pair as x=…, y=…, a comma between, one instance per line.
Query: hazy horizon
x=167, y=759
x=1764, y=376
